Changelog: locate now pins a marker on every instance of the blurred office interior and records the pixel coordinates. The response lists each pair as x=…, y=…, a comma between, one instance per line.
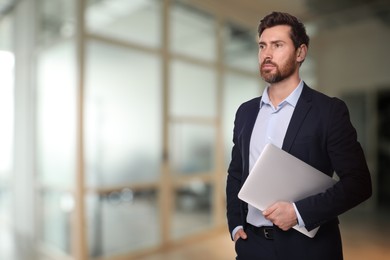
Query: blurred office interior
x=116, y=120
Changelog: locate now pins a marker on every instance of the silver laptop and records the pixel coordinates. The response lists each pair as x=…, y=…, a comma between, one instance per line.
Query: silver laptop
x=279, y=176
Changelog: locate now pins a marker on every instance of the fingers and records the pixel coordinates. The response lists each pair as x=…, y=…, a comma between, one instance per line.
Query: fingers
x=240, y=234
x=281, y=214
x=270, y=210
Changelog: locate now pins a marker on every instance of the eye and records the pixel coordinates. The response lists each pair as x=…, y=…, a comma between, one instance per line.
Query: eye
x=261, y=46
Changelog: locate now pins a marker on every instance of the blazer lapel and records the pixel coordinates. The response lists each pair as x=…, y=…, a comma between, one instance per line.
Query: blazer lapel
x=303, y=106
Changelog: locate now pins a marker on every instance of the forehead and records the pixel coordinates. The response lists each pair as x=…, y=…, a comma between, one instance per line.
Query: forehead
x=276, y=33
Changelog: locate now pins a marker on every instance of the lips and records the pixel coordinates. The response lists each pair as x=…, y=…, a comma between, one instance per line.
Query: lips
x=268, y=66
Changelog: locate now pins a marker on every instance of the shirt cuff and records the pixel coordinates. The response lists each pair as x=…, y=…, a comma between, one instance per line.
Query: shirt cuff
x=299, y=218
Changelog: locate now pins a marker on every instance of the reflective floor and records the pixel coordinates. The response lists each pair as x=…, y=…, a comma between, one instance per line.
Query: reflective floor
x=365, y=236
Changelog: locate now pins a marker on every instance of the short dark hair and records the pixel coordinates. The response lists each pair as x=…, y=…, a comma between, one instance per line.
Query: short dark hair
x=298, y=31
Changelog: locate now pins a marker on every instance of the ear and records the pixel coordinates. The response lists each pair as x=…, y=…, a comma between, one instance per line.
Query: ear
x=301, y=53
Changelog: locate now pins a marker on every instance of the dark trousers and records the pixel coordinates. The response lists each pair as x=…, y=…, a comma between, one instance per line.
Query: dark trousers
x=291, y=245
x=256, y=246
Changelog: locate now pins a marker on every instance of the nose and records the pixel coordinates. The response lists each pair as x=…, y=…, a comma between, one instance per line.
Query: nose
x=264, y=57
x=265, y=54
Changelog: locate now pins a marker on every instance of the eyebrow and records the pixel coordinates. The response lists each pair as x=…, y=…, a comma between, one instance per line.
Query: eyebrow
x=272, y=42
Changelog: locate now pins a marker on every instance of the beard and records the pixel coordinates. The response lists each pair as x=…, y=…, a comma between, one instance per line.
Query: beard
x=282, y=72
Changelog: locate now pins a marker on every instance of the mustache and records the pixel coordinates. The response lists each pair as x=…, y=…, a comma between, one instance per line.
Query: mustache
x=268, y=62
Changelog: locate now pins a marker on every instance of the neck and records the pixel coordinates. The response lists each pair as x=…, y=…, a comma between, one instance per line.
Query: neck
x=279, y=91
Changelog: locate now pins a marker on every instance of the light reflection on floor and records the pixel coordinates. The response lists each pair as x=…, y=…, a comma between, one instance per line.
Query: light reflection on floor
x=365, y=236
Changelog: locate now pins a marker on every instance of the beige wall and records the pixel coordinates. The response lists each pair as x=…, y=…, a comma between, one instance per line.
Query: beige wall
x=352, y=57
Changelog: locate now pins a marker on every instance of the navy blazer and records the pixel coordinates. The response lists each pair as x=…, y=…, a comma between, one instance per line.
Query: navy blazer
x=321, y=134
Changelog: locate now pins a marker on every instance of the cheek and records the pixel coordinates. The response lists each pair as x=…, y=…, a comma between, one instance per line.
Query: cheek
x=283, y=59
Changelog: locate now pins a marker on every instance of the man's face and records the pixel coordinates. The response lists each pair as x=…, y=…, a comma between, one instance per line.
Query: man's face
x=277, y=54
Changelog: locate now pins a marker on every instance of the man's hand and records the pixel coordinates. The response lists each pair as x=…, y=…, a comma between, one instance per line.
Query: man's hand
x=240, y=234
x=282, y=214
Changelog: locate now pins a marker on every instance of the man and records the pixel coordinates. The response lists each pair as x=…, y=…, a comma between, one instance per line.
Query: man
x=309, y=125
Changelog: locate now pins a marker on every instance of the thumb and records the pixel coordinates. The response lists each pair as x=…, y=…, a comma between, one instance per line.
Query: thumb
x=269, y=210
x=242, y=234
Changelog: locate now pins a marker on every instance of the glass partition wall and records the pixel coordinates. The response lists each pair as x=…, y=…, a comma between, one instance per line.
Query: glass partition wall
x=159, y=83
x=7, y=61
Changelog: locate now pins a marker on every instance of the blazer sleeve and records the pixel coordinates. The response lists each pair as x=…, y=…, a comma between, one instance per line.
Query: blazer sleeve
x=348, y=162
x=234, y=177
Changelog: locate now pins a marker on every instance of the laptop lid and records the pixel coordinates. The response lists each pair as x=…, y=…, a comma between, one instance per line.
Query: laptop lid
x=279, y=176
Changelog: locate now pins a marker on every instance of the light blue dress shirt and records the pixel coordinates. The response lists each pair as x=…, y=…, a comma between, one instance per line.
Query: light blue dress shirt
x=270, y=127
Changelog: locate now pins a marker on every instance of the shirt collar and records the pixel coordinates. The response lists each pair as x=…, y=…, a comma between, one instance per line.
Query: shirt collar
x=292, y=99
